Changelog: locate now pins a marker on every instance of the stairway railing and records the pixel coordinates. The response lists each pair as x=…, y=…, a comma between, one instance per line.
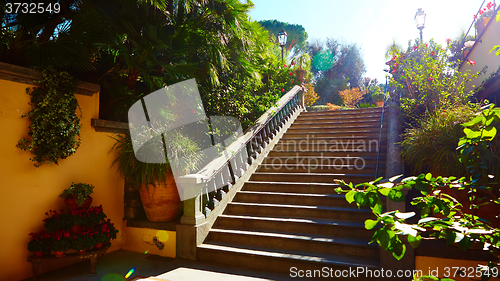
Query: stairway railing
x=225, y=171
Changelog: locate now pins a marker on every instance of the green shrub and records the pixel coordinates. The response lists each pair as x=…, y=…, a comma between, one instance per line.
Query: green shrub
x=431, y=145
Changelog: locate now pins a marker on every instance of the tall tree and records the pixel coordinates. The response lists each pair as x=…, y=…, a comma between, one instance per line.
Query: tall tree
x=297, y=35
x=336, y=67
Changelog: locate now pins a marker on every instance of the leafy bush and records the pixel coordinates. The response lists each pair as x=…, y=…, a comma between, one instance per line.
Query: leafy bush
x=310, y=96
x=333, y=106
x=80, y=191
x=351, y=97
x=54, y=132
x=430, y=146
x=427, y=80
x=365, y=105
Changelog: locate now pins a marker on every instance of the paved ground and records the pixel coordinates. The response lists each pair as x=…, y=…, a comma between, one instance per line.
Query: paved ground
x=116, y=264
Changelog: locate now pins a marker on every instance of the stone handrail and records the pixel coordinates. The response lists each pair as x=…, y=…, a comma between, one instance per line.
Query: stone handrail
x=225, y=172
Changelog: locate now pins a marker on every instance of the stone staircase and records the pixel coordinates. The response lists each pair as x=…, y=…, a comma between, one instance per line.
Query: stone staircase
x=288, y=214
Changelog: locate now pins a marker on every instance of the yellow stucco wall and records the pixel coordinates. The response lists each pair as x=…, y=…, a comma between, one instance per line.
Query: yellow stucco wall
x=140, y=240
x=28, y=192
x=482, y=56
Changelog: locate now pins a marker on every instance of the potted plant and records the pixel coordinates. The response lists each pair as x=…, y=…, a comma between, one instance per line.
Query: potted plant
x=39, y=243
x=100, y=238
x=467, y=47
x=484, y=16
x=56, y=221
x=378, y=97
x=156, y=183
x=60, y=243
x=94, y=216
x=77, y=196
x=82, y=242
x=303, y=61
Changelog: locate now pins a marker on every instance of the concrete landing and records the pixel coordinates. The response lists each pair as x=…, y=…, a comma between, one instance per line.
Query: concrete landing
x=151, y=268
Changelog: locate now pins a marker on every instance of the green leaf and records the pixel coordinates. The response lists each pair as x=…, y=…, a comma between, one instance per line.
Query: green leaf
x=471, y=134
x=491, y=132
x=399, y=251
x=414, y=241
x=349, y=197
x=383, y=238
x=370, y=224
x=474, y=121
x=396, y=195
x=361, y=198
x=428, y=176
x=450, y=236
x=384, y=191
x=378, y=208
x=464, y=244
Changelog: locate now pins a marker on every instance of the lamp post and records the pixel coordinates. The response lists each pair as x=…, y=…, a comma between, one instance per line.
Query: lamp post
x=282, y=36
x=420, y=21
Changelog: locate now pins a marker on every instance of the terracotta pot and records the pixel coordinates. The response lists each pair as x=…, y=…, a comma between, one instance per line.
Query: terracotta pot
x=98, y=246
x=300, y=73
x=379, y=103
x=75, y=229
x=82, y=252
x=59, y=253
x=38, y=253
x=72, y=205
x=466, y=52
x=481, y=24
x=161, y=201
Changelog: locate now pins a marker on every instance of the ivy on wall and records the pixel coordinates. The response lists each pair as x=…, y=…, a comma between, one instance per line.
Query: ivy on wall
x=54, y=132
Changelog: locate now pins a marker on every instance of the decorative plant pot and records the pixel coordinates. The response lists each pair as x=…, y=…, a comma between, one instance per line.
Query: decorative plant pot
x=300, y=73
x=466, y=52
x=38, y=253
x=98, y=246
x=82, y=252
x=481, y=24
x=75, y=229
x=380, y=103
x=72, y=205
x=59, y=254
x=161, y=201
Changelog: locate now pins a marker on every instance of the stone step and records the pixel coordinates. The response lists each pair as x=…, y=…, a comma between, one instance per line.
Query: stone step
x=281, y=260
x=372, y=123
x=345, y=155
x=355, y=111
x=290, y=187
x=305, y=199
x=332, y=140
x=335, y=167
x=333, y=118
x=296, y=241
x=282, y=210
x=311, y=177
x=315, y=226
x=318, y=160
x=329, y=135
x=333, y=146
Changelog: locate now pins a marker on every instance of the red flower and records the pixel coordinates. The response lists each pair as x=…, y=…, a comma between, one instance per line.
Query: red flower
x=395, y=65
x=475, y=16
x=432, y=53
x=426, y=45
x=415, y=48
x=290, y=73
x=471, y=62
x=284, y=65
x=293, y=63
x=430, y=78
x=394, y=70
x=481, y=12
x=282, y=89
x=448, y=40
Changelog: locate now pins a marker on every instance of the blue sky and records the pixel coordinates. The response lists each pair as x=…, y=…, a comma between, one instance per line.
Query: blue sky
x=372, y=24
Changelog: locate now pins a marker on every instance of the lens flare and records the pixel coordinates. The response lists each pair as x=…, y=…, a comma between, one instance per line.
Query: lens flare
x=323, y=60
x=162, y=235
x=146, y=252
x=131, y=271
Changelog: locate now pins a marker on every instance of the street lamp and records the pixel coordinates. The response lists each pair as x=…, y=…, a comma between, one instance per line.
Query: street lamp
x=282, y=40
x=420, y=21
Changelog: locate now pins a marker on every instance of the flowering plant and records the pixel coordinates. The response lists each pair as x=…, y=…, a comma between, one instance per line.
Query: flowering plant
x=83, y=240
x=80, y=191
x=88, y=217
x=487, y=12
x=39, y=242
x=60, y=241
x=56, y=221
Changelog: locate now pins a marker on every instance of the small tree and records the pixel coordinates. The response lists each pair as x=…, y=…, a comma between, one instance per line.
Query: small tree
x=351, y=97
x=310, y=96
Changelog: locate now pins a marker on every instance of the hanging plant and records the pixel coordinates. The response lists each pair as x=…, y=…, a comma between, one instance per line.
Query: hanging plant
x=54, y=132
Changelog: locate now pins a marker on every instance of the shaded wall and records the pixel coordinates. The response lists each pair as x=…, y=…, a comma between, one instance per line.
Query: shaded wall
x=28, y=192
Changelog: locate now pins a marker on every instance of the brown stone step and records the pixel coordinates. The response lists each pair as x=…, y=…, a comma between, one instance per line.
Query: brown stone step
x=311, y=177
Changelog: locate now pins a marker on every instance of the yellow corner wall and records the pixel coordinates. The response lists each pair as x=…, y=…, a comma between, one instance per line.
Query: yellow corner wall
x=140, y=240
x=444, y=268
x=28, y=192
x=482, y=56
